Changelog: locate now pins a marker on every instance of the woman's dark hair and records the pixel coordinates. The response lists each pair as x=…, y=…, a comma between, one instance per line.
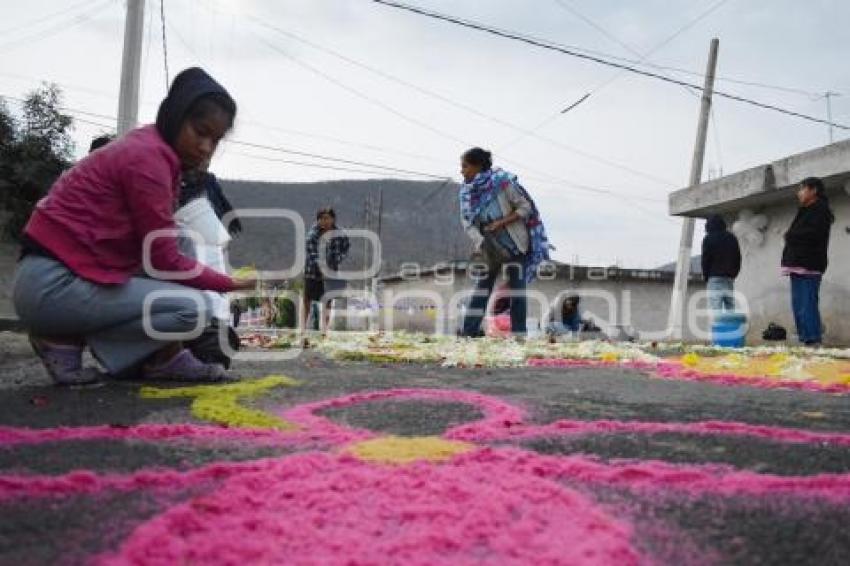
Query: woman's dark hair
x=816, y=184
x=210, y=104
x=328, y=210
x=479, y=157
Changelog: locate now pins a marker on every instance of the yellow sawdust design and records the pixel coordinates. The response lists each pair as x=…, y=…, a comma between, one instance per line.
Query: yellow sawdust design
x=404, y=450
x=778, y=366
x=220, y=403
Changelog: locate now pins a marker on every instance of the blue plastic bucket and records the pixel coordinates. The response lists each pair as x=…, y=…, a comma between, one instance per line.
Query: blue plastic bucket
x=729, y=330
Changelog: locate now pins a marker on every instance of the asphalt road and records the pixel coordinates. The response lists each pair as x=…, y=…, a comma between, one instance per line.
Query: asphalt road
x=710, y=527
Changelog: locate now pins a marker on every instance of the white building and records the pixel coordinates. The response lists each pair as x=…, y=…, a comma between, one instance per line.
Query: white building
x=760, y=204
x=622, y=302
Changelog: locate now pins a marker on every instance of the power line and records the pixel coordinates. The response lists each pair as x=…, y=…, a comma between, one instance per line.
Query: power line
x=449, y=136
x=270, y=128
x=642, y=57
x=641, y=61
x=406, y=171
x=21, y=102
x=574, y=11
x=306, y=134
x=551, y=47
x=373, y=169
x=266, y=127
x=787, y=89
x=374, y=166
x=65, y=86
x=366, y=146
x=427, y=92
x=780, y=88
x=334, y=159
x=63, y=108
x=56, y=29
x=452, y=137
x=164, y=43
x=359, y=94
x=46, y=17
x=262, y=125
x=574, y=104
x=810, y=94
x=371, y=147
x=325, y=166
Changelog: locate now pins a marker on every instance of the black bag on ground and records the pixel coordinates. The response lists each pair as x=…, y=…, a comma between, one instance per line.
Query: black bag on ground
x=774, y=332
x=206, y=347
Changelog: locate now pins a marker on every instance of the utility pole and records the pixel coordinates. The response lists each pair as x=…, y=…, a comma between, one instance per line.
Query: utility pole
x=380, y=209
x=683, y=263
x=380, y=218
x=828, y=96
x=131, y=63
x=367, y=225
x=371, y=221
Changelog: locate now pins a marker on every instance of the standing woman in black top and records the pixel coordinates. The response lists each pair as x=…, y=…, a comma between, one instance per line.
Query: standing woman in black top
x=804, y=258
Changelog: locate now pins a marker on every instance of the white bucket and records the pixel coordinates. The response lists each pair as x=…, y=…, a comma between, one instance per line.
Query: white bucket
x=198, y=215
x=532, y=326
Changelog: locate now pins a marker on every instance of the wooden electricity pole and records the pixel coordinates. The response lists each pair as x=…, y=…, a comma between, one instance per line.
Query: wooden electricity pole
x=683, y=263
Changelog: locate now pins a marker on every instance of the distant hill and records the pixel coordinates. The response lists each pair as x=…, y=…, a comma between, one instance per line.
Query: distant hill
x=419, y=220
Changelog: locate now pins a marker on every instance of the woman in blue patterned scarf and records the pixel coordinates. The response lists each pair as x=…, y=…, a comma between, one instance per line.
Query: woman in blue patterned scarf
x=316, y=283
x=503, y=221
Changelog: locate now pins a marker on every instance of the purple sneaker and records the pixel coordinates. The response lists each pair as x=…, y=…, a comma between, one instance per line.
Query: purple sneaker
x=64, y=363
x=185, y=367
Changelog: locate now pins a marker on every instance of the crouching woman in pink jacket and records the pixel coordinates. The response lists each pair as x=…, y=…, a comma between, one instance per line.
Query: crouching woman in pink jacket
x=80, y=280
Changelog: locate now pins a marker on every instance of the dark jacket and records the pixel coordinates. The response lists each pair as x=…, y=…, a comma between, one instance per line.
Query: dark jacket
x=807, y=240
x=721, y=254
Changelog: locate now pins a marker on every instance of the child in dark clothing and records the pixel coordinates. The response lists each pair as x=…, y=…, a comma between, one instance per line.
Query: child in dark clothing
x=721, y=263
x=568, y=319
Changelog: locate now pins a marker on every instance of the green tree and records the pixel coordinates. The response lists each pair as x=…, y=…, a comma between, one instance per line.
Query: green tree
x=34, y=150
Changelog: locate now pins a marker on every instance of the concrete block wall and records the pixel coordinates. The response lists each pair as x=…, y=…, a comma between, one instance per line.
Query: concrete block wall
x=640, y=304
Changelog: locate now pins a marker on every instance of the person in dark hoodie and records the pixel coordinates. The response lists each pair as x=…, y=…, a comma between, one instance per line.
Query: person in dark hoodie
x=201, y=183
x=99, y=142
x=721, y=263
x=77, y=284
x=804, y=258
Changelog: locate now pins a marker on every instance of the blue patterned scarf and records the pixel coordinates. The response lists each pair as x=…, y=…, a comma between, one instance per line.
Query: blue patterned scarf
x=477, y=196
x=335, y=251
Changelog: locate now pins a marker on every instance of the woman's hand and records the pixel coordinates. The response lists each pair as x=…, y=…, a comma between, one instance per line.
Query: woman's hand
x=495, y=226
x=251, y=283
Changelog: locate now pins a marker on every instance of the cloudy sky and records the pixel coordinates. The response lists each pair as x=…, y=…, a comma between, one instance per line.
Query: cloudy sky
x=354, y=80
